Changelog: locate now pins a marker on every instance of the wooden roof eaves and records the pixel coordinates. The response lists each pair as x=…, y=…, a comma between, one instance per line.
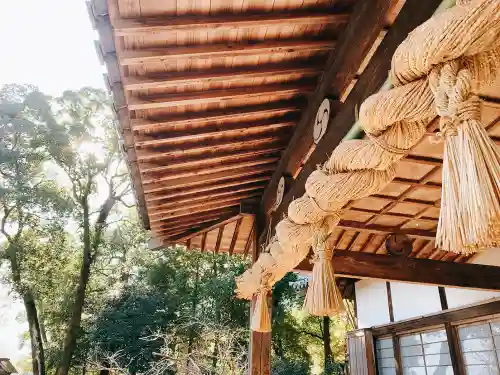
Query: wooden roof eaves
x=98, y=12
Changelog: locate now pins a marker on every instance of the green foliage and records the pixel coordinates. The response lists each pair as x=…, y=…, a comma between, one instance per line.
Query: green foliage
x=63, y=197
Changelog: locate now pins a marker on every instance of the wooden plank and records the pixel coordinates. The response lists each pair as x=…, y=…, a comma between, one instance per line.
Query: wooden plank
x=414, y=13
x=365, y=24
x=206, y=179
x=213, y=147
x=448, y=316
x=177, y=121
x=159, y=177
x=195, y=218
x=130, y=57
x=225, y=22
x=174, y=209
x=216, y=75
x=236, y=233
x=457, y=360
x=154, y=198
x=214, y=132
x=203, y=197
x=211, y=96
x=203, y=161
x=353, y=264
x=219, y=239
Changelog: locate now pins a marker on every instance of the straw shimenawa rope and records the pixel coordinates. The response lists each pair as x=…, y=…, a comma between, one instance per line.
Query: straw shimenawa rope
x=435, y=71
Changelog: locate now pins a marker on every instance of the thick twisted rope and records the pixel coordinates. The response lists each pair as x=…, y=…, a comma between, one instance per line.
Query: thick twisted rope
x=433, y=71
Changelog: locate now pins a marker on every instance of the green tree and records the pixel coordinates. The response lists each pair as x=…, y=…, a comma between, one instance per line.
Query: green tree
x=28, y=199
x=82, y=141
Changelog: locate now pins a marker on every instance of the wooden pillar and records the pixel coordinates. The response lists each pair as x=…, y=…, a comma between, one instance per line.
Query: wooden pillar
x=260, y=343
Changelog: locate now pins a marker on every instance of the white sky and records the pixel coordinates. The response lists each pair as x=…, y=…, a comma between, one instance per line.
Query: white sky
x=48, y=43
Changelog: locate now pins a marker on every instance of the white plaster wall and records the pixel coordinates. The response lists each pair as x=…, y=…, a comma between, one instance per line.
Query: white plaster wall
x=371, y=303
x=413, y=300
x=459, y=297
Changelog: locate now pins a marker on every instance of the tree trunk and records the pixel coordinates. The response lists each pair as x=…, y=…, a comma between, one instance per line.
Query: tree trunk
x=215, y=355
x=327, y=346
x=89, y=245
x=37, y=351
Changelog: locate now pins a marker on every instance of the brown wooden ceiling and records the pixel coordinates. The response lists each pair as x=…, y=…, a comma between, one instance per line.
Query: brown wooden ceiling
x=208, y=95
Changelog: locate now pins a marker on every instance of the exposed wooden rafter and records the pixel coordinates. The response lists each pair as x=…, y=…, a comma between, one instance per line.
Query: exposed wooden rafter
x=131, y=27
x=129, y=57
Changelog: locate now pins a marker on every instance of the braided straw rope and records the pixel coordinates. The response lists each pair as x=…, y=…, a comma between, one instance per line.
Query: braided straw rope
x=434, y=72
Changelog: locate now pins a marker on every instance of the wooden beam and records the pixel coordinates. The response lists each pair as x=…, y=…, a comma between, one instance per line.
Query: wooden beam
x=160, y=55
x=174, y=210
x=204, y=196
x=214, y=147
x=217, y=75
x=207, y=162
x=179, y=121
x=153, y=199
x=195, y=218
x=251, y=236
x=161, y=177
x=235, y=235
x=211, y=96
x=209, y=228
x=381, y=229
x=219, y=239
x=225, y=22
x=414, y=13
x=203, y=242
x=223, y=131
x=449, y=316
x=365, y=24
x=354, y=264
x=207, y=179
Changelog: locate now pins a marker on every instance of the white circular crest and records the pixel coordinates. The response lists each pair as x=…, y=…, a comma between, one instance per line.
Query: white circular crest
x=321, y=121
x=280, y=192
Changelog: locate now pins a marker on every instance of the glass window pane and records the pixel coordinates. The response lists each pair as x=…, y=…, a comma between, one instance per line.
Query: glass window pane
x=387, y=371
x=413, y=361
x=414, y=371
x=384, y=343
x=497, y=342
x=480, y=358
x=440, y=370
x=385, y=353
x=436, y=336
x=438, y=360
x=495, y=327
x=474, y=332
x=411, y=350
x=482, y=370
x=410, y=340
x=477, y=345
x=386, y=362
x=438, y=347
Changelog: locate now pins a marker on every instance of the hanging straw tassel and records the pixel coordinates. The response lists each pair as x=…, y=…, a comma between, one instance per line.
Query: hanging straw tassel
x=470, y=204
x=261, y=317
x=323, y=296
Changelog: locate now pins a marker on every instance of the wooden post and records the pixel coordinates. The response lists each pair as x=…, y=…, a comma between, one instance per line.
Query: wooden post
x=260, y=343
